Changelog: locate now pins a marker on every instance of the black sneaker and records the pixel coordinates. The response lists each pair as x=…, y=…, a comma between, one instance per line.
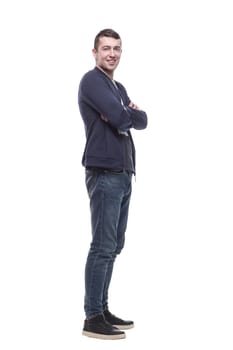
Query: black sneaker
x=117, y=322
x=98, y=327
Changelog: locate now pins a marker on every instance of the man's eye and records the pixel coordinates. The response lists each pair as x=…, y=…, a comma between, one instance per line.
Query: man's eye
x=107, y=48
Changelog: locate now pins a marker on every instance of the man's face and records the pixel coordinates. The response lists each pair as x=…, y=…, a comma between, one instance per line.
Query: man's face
x=108, y=54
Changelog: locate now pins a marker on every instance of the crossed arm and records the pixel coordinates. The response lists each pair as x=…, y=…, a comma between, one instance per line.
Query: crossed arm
x=102, y=98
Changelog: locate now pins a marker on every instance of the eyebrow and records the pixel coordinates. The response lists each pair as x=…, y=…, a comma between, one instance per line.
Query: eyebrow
x=114, y=47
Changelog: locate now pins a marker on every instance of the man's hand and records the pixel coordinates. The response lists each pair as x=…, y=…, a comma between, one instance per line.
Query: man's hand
x=105, y=119
x=133, y=105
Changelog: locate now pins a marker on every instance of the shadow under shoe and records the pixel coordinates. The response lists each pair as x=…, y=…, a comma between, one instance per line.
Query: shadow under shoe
x=98, y=327
x=116, y=321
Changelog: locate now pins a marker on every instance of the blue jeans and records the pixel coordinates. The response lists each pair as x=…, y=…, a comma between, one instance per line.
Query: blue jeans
x=109, y=195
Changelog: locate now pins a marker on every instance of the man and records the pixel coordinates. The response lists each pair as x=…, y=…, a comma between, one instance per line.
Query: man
x=109, y=158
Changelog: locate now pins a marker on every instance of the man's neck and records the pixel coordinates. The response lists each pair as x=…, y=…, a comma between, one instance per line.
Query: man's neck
x=109, y=74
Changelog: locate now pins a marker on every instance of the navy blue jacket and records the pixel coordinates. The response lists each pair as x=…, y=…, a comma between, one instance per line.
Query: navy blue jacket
x=105, y=146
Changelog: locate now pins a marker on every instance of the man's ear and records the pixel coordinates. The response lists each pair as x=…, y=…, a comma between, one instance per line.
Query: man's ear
x=94, y=52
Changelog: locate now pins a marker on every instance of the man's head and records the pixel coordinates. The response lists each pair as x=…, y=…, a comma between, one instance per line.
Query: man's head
x=109, y=33
x=107, y=51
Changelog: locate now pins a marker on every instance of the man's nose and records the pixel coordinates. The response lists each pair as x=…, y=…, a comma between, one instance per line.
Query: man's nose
x=112, y=52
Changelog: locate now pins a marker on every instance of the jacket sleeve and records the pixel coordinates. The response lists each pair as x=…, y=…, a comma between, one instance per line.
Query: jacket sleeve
x=99, y=94
x=138, y=116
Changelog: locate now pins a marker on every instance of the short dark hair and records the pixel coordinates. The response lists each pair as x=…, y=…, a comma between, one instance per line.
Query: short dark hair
x=105, y=32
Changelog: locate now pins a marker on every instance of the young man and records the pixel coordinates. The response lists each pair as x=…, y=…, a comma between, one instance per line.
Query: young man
x=109, y=158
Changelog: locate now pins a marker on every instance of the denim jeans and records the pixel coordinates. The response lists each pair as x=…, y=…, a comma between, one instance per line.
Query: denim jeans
x=109, y=195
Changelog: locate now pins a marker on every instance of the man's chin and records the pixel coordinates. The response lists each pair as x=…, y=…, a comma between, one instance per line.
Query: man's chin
x=111, y=68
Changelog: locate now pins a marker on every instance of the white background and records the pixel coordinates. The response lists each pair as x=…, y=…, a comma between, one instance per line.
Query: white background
x=174, y=277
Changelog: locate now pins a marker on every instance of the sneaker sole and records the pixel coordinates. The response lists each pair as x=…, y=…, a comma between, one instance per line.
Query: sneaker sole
x=104, y=336
x=130, y=326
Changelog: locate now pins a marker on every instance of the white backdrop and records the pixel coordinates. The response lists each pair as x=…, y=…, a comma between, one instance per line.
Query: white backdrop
x=174, y=277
